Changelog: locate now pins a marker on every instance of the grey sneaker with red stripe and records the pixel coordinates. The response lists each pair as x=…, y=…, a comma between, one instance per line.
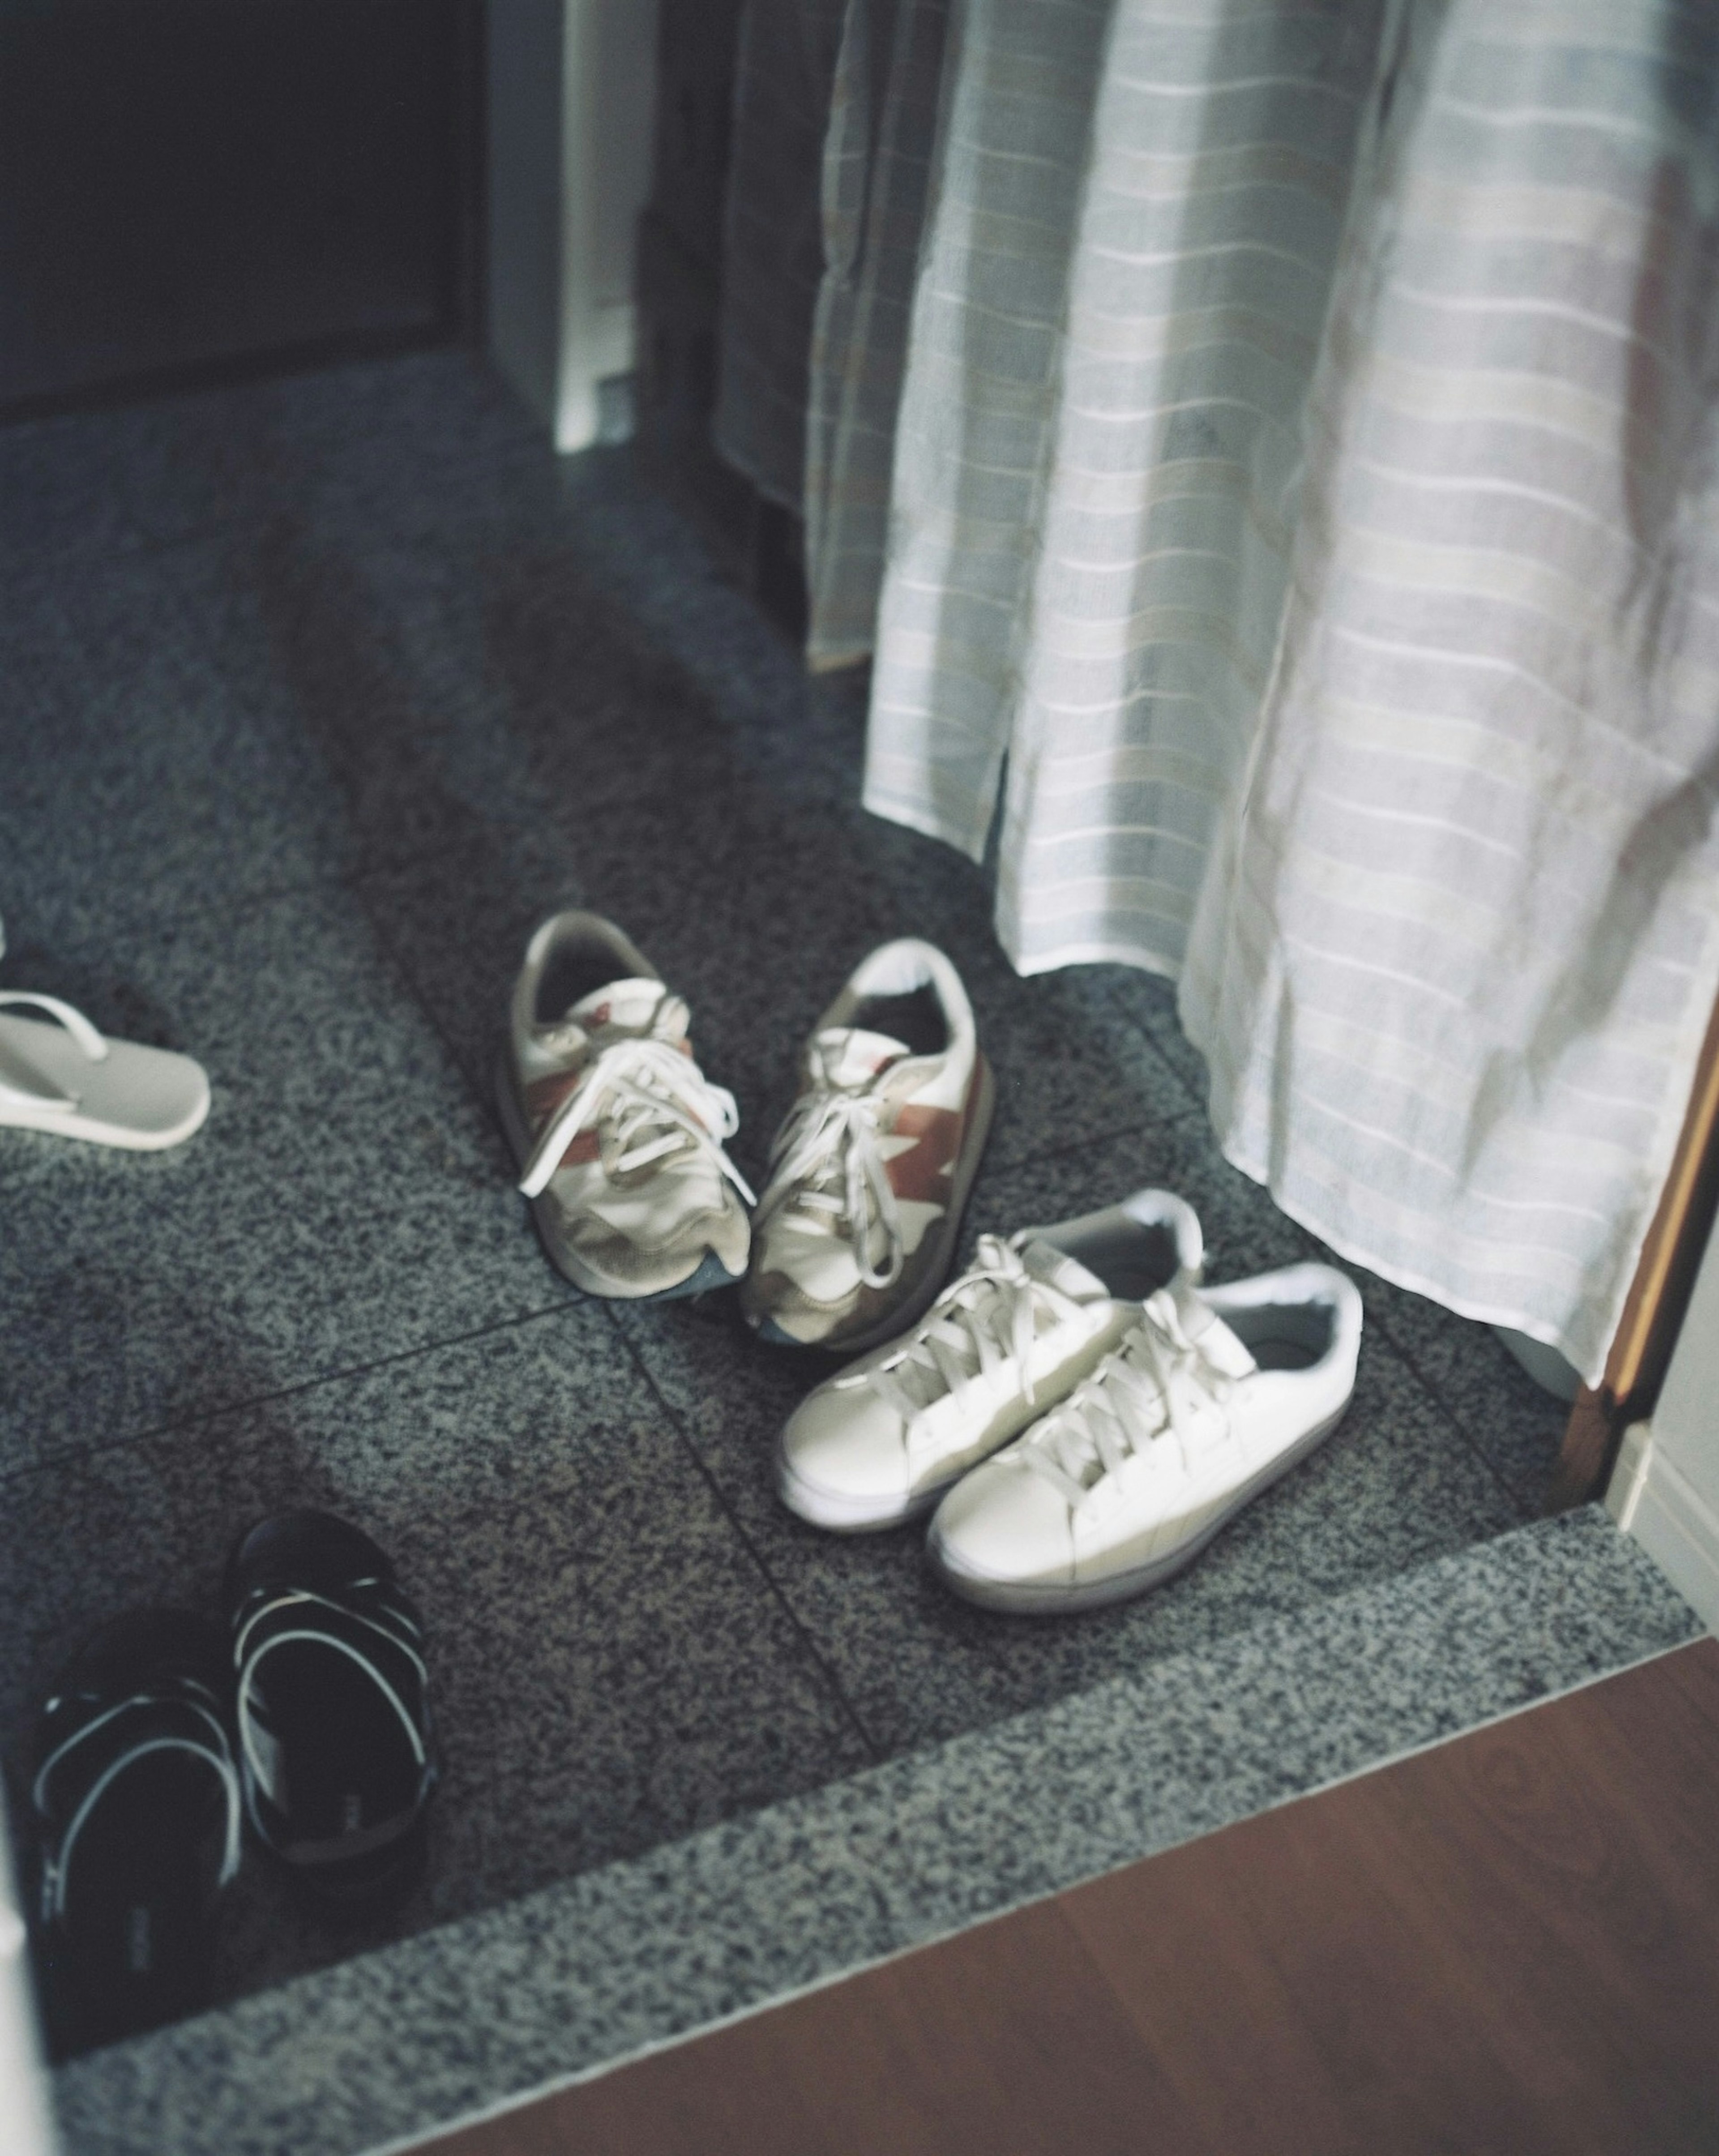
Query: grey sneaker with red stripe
x=871, y=1169
x=618, y=1132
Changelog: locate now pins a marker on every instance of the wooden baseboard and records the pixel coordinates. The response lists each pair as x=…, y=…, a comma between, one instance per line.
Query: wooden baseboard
x=1591, y=1436
x=1659, y=1296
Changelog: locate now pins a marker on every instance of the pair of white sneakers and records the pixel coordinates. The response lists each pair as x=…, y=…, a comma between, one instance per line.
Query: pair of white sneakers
x=622, y=1139
x=1080, y=1417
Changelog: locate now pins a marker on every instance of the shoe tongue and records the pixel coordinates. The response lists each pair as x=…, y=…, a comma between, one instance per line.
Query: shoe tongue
x=1213, y=1338
x=852, y=1056
x=1058, y=1269
x=620, y=1006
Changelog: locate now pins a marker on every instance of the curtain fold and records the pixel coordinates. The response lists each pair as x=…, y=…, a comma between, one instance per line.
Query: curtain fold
x=1301, y=424
x=879, y=157
x=1459, y=942
x=1138, y=210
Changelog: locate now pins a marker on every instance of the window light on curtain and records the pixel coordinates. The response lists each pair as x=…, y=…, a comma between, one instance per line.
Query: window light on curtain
x=1284, y=439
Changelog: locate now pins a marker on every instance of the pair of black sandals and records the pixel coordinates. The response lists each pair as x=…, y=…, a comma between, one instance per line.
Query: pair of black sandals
x=308, y=1715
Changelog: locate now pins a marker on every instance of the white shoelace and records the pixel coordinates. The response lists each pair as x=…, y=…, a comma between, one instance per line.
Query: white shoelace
x=657, y=1098
x=1141, y=1394
x=824, y=1163
x=988, y=1316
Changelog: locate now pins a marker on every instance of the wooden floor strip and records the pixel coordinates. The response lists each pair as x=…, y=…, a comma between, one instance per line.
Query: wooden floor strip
x=1505, y=1946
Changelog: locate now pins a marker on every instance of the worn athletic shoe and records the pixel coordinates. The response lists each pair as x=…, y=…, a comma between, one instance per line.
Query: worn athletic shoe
x=870, y=1170
x=1211, y=1397
x=1013, y=1336
x=620, y=1133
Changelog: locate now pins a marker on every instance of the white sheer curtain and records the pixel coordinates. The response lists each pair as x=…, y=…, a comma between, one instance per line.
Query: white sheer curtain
x=1301, y=426
x=1460, y=943
x=877, y=168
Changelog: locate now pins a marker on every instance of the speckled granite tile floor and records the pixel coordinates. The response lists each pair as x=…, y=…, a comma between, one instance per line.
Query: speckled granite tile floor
x=314, y=696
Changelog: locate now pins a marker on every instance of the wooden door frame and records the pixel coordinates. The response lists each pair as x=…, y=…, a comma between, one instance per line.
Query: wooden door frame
x=1659, y=1296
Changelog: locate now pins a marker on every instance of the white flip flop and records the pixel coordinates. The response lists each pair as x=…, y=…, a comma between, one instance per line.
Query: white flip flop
x=68, y=1079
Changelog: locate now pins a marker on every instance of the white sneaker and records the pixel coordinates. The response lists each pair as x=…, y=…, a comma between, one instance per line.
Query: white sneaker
x=883, y=1441
x=870, y=1170
x=619, y=1132
x=1211, y=1397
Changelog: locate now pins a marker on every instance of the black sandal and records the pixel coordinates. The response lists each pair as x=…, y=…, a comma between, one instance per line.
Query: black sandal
x=334, y=1730
x=136, y=1804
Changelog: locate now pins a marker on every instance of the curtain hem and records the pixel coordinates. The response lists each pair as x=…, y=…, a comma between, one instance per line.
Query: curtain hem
x=1100, y=952
x=837, y=659
x=925, y=821
x=1355, y=1253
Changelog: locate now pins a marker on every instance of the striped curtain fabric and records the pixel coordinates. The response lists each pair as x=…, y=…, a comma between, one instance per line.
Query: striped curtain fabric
x=876, y=171
x=1119, y=305
x=1459, y=943
x=1301, y=424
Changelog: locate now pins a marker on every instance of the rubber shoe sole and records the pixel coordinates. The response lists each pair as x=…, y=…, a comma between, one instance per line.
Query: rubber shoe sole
x=1043, y=1598
x=851, y=1515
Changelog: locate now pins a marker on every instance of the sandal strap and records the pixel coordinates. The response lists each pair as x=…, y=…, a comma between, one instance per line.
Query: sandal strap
x=376, y=1629
x=92, y=1043
x=71, y=1780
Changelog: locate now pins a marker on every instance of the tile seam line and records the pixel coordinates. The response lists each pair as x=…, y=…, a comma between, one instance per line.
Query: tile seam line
x=1188, y=1092
x=873, y=1751
x=182, y=1425
x=1516, y=1499
x=348, y=879
x=323, y=882
x=1115, y=994
x=1011, y=1164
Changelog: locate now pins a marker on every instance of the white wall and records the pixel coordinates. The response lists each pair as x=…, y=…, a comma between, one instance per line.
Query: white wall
x=24, y=2128
x=1665, y=1491
x=571, y=107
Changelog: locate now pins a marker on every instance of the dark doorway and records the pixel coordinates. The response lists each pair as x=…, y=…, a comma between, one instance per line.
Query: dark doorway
x=190, y=189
